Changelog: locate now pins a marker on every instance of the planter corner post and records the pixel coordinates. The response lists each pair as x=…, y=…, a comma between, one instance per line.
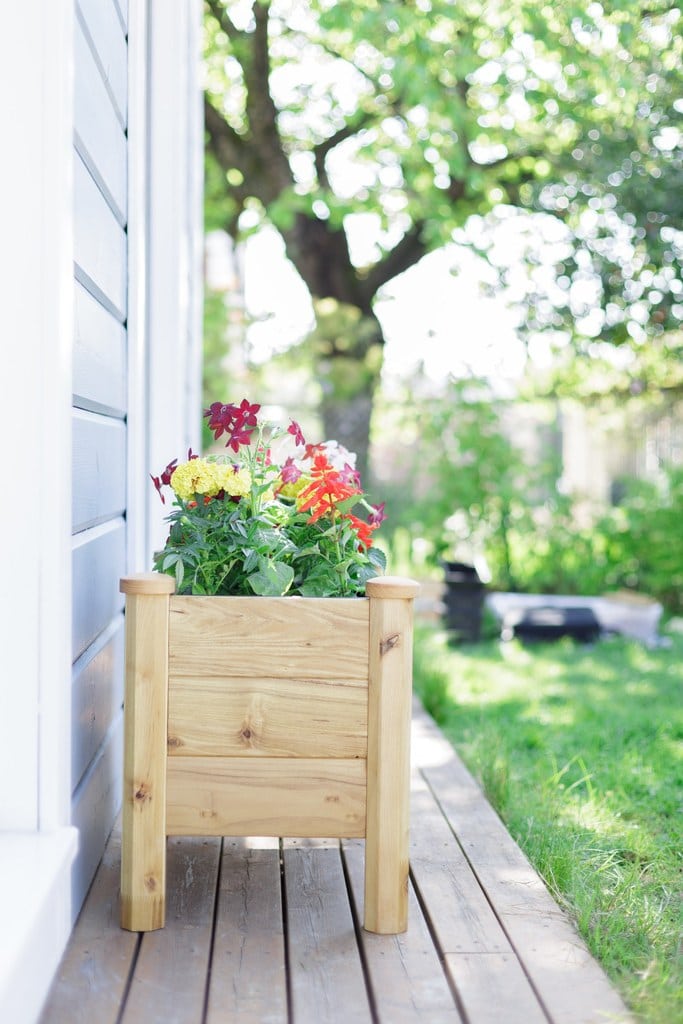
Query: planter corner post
x=143, y=848
x=388, y=780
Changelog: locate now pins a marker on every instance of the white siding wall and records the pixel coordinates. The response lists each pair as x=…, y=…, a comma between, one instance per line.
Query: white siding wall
x=100, y=274
x=99, y=442
x=36, y=252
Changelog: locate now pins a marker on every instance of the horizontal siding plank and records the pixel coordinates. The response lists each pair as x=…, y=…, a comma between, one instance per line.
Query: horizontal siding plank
x=99, y=241
x=99, y=469
x=97, y=697
x=100, y=137
x=241, y=796
x=98, y=562
x=102, y=24
x=99, y=357
x=122, y=7
x=269, y=717
x=324, y=638
x=94, y=807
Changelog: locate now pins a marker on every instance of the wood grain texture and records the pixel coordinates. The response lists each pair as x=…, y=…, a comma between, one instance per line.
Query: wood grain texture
x=389, y=708
x=573, y=987
x=266, y=637
x=94, y=970
x=492, y=987
x=169, y=983
x=248, y=980
x=243, y=796
x=405, y=975
x=267, y=717
x=143, y=854
x=462, y=919
x=326, y=974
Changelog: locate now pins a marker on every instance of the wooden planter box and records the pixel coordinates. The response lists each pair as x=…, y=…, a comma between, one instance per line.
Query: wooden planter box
x=257, y=716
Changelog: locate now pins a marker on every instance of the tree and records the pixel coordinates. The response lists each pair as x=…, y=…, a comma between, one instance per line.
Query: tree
x=421, y=115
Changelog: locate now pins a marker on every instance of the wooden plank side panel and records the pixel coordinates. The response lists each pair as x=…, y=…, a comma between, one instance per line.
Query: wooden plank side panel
x=97, y=696
x=248, y=981
x=407, y=980
x=265, y=797
x=267, y=717
x=169, y=983
x=99, y=469
x=93, y=975
x=326, y=975
x=100, y=243
x=99, y=134
x=99, y=358
x=98, y=562
x=313, y=638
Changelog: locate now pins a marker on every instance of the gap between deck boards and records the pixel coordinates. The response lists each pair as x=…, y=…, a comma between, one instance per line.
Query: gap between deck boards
x=261, y=931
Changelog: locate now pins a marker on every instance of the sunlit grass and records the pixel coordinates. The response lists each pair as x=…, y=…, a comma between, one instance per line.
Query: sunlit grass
x=580, y=750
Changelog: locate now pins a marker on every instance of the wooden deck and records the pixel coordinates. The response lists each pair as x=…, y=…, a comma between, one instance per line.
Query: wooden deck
x=267, y=931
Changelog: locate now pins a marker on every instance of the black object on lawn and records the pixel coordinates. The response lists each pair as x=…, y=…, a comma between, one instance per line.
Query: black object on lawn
x=464, y=601
x=550, y=623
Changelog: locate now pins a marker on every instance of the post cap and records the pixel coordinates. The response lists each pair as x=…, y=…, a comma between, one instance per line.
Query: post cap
x=147, y=583
x=392, y=587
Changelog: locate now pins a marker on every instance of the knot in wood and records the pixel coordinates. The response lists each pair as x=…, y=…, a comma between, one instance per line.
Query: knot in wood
x=388, y=643
x=143, y=793
x=248, y=735
x=174, y=742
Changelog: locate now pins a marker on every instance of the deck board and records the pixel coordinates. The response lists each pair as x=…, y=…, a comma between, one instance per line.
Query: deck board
x=262, y=931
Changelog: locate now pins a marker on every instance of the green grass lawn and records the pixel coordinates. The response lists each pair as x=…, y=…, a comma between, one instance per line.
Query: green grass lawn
x=580, y=750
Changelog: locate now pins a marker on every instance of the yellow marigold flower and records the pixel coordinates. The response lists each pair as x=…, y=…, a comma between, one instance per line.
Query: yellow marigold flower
x=193, y=477
x=236, y=482
x=293, y=490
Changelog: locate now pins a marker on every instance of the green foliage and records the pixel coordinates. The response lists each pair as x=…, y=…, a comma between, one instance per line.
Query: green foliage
x=579, y=751
x=466, y=485
x=645, y=538
x=637, y=545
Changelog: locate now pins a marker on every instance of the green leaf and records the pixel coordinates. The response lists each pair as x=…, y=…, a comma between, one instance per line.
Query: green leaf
x=272, y=580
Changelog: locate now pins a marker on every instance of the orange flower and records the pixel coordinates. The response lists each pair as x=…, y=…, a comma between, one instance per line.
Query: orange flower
x=326, y=490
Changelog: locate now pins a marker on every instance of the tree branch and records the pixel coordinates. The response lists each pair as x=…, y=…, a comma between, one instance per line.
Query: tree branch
x=406, y=254
x=348, y=130
x=229, y=148
x=226, y=23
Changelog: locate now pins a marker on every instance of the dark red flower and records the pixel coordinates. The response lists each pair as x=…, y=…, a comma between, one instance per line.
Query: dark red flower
x=164, y=479
x=295, y=430
x=238, y=421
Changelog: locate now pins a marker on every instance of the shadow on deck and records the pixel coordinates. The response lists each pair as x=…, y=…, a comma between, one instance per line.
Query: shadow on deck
x=261, y=931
